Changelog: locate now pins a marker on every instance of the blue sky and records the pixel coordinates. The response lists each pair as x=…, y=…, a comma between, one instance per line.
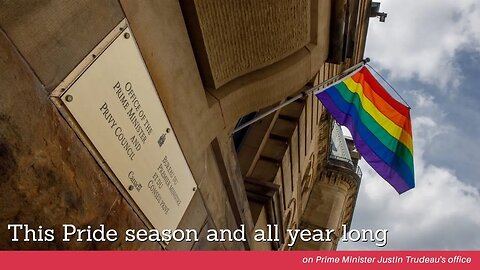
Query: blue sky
x=430, y=52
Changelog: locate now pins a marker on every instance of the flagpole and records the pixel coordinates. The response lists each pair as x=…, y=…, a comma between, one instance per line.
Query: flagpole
x=303, y=94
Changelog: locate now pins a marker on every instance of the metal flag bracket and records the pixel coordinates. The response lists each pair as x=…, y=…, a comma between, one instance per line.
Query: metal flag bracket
x=305, y=93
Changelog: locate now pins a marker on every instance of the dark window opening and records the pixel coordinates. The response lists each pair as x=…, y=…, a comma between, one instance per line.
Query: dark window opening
x=239, y=136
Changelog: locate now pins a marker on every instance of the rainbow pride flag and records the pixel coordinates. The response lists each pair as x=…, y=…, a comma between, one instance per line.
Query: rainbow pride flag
x=380, y=126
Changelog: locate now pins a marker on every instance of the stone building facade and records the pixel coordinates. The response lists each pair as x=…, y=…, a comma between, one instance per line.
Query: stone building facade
x=213, y=63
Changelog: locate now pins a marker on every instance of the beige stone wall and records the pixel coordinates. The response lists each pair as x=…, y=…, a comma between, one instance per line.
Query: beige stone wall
x=54, y=36
x=50, y=178
x=285, y=150
x=237, y=37
x=47, y=176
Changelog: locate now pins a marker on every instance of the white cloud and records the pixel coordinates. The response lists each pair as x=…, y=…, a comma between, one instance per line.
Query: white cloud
x=420, y=39
x=440, y=213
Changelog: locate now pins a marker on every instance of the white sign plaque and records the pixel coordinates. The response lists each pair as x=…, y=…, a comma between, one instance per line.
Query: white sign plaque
x=116, y=105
